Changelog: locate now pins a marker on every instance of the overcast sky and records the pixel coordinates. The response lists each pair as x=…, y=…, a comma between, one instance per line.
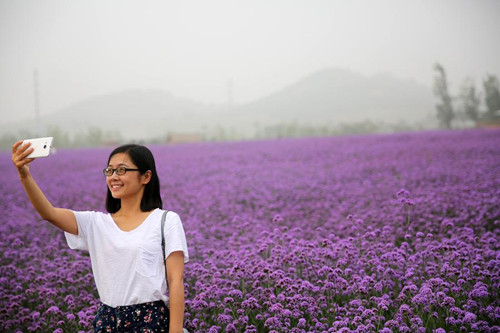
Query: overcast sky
x=194, y=48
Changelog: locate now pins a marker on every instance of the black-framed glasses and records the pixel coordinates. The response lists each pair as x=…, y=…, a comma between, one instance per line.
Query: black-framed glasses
x=120, y=171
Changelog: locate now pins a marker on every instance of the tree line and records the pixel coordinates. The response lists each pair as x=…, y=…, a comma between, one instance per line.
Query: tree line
x=94, y=136
x=466, y=105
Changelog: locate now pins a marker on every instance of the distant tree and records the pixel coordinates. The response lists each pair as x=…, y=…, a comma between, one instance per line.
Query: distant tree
x=7, y=140
x=491, y=95
x=470, y=100
x=112, y=136
x=61, y=138
x=445, y=112
x=95, y=136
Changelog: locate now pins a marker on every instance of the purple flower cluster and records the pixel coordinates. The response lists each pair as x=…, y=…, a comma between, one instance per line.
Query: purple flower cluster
x=388, y=233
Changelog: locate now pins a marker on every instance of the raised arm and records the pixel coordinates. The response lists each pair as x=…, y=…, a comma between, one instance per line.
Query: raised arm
x=62, y=218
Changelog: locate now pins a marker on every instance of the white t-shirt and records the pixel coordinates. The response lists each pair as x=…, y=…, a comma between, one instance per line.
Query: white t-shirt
x=128, y=265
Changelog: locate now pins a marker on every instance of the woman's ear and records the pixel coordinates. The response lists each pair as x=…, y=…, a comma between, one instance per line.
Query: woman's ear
x=146, y=177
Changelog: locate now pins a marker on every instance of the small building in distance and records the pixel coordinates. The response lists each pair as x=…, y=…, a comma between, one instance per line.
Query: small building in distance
x=173, y=138
x=489, y=122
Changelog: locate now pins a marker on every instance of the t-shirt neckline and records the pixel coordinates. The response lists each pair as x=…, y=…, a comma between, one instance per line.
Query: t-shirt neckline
x=136, y=228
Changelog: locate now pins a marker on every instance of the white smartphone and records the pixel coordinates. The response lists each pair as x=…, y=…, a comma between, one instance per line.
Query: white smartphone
x=41, y=146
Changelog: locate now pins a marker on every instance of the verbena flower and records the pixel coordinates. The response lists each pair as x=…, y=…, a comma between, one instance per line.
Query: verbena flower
x=280, y=231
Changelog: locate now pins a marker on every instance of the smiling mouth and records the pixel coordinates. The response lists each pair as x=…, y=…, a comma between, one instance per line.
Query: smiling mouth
x=116, y=187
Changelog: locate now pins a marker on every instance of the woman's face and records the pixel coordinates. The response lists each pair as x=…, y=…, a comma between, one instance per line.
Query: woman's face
x=132, y=183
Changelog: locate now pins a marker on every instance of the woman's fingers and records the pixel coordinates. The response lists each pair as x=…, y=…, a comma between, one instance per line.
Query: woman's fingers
x=15, y=147
x=26, y=152
x=27, y=160
x=20, y=152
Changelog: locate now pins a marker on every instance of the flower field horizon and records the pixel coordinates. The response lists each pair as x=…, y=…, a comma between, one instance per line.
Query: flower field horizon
x=375, y=233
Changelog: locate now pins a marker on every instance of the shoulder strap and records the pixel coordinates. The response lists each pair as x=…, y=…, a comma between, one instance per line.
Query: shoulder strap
x=163, y=243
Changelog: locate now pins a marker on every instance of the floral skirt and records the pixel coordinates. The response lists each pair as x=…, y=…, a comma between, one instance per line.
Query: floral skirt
x=144, y=318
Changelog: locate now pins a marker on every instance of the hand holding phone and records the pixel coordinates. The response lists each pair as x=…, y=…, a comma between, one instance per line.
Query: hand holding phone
x=41, y=147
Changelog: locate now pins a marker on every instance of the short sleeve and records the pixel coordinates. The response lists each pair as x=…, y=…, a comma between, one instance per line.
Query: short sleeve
x=84, y=221
x=175, y=239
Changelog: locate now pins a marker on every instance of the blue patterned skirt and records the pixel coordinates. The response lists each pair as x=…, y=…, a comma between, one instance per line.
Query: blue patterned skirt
x=144, y=318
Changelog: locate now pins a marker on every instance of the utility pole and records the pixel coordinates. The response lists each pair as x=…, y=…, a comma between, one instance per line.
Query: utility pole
x=230, y=87
x=37, y=98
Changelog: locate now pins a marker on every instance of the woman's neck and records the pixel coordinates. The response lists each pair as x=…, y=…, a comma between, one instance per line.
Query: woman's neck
x=130, y=206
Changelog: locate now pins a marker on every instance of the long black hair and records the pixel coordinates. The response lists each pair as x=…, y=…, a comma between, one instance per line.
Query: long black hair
x=144, y=160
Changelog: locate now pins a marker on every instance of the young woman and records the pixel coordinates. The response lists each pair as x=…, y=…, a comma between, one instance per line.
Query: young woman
x=125, y=244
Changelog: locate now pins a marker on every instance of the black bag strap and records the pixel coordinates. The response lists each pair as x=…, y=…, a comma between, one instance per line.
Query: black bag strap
x=163, y=243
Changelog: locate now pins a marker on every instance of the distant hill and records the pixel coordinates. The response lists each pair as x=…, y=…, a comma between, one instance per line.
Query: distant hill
x=327, y=97
x=333, y=96
x=135, y=113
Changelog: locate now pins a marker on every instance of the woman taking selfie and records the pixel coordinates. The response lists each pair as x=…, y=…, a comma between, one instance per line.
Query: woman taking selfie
x=125, y=245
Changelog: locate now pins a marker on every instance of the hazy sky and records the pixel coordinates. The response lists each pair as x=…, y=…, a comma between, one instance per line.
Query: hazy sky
x=194, y=48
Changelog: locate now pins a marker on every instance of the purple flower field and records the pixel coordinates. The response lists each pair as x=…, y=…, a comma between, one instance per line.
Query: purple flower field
x=383, y=233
